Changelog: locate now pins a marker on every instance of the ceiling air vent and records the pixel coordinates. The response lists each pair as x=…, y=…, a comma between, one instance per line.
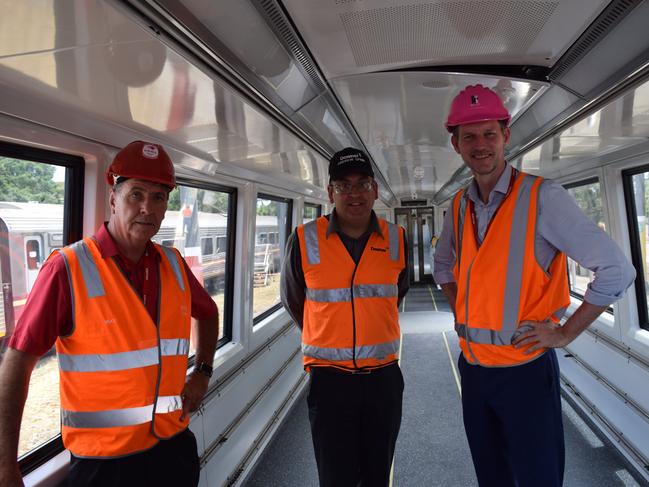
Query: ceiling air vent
x=279, y=22
x=411, y=202
x=603, y=24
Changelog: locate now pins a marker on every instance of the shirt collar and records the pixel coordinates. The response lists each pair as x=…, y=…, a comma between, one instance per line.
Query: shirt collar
x=501, y=186
x=108, y=247
x=334, y=225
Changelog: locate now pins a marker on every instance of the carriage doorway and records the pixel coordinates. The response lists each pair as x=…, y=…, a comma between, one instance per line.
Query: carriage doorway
x=418, y=223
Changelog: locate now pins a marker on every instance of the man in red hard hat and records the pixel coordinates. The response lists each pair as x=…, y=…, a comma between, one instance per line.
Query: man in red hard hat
x=501, y=262
x=118, y=308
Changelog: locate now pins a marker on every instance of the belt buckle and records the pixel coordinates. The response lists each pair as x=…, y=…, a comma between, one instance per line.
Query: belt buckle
x=362, y=371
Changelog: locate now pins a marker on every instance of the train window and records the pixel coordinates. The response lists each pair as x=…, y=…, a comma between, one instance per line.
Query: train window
x=636, y=194
x=33, y=254
x=221, y=244
x=207, y=246
x=311, y=212
x=588, y=196
x=194, y=217
x=272, y=227
x=40, y=211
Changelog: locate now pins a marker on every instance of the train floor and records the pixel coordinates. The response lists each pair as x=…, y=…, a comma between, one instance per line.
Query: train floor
x=432, y=449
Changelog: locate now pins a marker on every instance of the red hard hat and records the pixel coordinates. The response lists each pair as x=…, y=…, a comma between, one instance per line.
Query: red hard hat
x=476, y=103
x=143, y=160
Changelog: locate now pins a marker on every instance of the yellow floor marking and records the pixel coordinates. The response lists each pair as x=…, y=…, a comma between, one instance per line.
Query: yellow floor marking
x=433, y=297
x=20, y=302
x=450, y=358
x=399, y=362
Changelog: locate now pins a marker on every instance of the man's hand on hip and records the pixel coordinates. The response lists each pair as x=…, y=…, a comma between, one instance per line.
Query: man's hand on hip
x=540, y=334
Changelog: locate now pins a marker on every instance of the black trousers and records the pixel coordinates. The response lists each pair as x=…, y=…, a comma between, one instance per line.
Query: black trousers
x=173, y=462
x=512, y=418
x=355, y=420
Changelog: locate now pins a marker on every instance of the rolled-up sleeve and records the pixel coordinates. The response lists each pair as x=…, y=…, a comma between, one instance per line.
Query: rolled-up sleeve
x=563, y=225
x=292, y=284
x=445, y=252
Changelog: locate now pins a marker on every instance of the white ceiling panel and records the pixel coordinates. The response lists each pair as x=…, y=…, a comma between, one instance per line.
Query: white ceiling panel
x=356, y=36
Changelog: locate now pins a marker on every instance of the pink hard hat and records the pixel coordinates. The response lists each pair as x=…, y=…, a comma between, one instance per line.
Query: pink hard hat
x=476, y=103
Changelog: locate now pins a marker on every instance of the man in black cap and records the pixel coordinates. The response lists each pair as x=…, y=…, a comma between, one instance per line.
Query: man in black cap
x=344, y=276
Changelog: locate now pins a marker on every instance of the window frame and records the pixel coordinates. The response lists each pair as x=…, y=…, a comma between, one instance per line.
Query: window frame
x=225, y=316
x=634, y=241
x=317, y=206
x=577, y=184
x=72, y=231
x=289, y=222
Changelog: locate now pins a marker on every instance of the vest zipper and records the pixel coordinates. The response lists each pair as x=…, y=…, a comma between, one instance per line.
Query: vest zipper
x=159, y=378
x=354, y=317
x=466, y=313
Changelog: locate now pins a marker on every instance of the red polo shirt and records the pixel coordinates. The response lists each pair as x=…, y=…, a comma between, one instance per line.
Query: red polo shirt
x=48, y=310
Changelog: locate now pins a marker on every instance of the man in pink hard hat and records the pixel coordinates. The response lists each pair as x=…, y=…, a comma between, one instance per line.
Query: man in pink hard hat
x=501, y=262
x=118, y=308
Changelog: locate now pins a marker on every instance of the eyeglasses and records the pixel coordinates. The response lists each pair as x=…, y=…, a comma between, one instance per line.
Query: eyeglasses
x=348, y=188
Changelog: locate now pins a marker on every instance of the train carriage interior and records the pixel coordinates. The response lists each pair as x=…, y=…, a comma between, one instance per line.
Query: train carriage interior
x=251, y=98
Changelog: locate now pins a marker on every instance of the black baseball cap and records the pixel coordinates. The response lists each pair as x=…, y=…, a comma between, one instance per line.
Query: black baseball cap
x=349, y=160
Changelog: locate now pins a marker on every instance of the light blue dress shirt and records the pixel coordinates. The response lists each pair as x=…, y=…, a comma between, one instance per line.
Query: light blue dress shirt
x=561, y=226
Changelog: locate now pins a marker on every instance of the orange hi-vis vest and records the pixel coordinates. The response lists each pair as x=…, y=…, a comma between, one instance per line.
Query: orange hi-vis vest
x=500, y=283
x=121, y=375
x=351, y=319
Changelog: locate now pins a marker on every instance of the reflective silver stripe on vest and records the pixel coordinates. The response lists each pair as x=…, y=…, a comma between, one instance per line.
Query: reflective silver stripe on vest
x=311, y=242
x=109, y=362
x=342, y=295
x=495, y=337
x=174, y=346
x=484, y=336
x=516, y=255
x=168, y=404
x=558, y=314
x=376, y=291
x=379, y=351
x=175, y=265
x=393, y=232
x=329, y=295
x=89, y=271
x=119, y=417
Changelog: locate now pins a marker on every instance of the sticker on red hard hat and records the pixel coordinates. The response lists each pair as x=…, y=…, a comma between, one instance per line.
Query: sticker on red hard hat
x=150, y=151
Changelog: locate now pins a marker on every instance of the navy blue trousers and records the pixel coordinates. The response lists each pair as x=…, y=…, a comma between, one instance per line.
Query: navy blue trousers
x=355, y=422
x=512, y=418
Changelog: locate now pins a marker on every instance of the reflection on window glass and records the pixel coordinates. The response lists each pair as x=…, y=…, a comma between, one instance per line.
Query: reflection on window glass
x=31, y=227
x=641, y=200
x=311, y=212
x=271, y=227
x=588, y=197
x=194, y=218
